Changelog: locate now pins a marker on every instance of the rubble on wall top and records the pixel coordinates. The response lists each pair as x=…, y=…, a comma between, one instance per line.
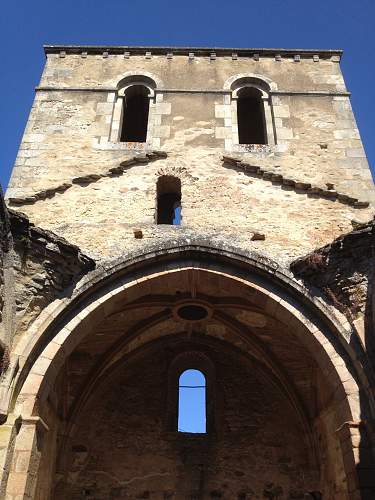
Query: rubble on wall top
x=48, y=243
x=342, y=270
x=357, y=244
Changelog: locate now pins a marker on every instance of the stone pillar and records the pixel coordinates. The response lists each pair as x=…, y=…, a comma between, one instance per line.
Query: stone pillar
x=116, y=118
x=23, y=474
x=356, y=445
x=8, y=434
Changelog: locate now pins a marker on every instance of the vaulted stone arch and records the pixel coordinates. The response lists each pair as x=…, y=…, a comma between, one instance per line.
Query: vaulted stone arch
x=255, y=286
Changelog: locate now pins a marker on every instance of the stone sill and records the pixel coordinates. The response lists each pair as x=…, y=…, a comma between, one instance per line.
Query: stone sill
x=253, y=148
x=104, y=144
x=198, y=440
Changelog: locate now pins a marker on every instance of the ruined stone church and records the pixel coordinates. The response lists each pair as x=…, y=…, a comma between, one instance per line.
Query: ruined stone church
x=176, y=209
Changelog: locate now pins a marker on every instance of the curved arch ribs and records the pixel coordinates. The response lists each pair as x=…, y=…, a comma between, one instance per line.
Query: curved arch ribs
x=262, y=289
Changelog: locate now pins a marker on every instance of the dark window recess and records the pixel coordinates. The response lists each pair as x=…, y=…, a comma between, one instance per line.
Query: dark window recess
x=250, y=117
x=192, y=312
x=3, y=366
x=135, y=114
x=169, y=200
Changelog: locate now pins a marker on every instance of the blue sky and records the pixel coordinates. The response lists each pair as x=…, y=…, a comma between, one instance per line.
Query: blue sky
x=26, y=25
x=192, y=402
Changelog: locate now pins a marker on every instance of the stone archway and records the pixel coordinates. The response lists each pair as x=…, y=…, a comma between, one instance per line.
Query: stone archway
x=243, y=291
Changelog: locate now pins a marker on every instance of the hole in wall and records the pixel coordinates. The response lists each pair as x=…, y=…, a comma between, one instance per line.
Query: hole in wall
x=192, y=312
x=168, y=201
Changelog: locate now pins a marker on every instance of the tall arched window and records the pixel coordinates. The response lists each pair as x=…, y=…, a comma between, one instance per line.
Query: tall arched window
x=191, y=394
x=135, y=114
x=251, y=106
x=168, y=209
x=192, y=402
x=250, y=117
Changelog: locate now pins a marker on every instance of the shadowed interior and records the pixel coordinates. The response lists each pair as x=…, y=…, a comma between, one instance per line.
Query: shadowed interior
x=266, y=428
x=135, y=114
x=250, y=116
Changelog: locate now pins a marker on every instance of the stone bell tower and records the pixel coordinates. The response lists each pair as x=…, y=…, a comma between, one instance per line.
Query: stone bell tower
x=175, y=209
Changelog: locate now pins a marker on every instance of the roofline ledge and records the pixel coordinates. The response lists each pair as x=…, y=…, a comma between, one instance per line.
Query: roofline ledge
x=198, y=51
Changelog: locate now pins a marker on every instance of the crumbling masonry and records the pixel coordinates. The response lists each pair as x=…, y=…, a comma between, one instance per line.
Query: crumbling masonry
x=176, y=208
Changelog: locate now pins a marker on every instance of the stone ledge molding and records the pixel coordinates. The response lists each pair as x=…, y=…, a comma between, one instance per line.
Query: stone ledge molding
x=299, y=187
x=35, y=421
x=85, y=180
x=302, y=93
x=331, y=54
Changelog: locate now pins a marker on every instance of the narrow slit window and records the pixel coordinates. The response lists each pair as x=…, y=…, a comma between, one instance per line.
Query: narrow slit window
x=135, y=114
x=3, y=366
x=250, y=117
x=168, y=201
x=192, y=402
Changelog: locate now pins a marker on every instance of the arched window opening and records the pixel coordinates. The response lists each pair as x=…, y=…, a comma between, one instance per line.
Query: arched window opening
x=250, y=117
x=192, y=402
x=135, y=114
x=169, y=200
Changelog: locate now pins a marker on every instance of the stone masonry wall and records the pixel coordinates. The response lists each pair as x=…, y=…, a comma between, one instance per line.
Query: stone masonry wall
x=111, y=208
x=122, y=448
x=69, y=135
x=5, y=242
x=36, y=266
x=79, y=198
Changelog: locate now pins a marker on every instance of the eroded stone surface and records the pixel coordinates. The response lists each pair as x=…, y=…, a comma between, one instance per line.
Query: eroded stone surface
x=316, y=143
x=342, y=269
x=41, y=266
x=92, y=341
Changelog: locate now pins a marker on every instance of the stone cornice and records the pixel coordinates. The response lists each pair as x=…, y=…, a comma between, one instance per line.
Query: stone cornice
x=89, y=178
x=269, y=175
x=198, y=51
x=304, y=93
x=293, y=184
